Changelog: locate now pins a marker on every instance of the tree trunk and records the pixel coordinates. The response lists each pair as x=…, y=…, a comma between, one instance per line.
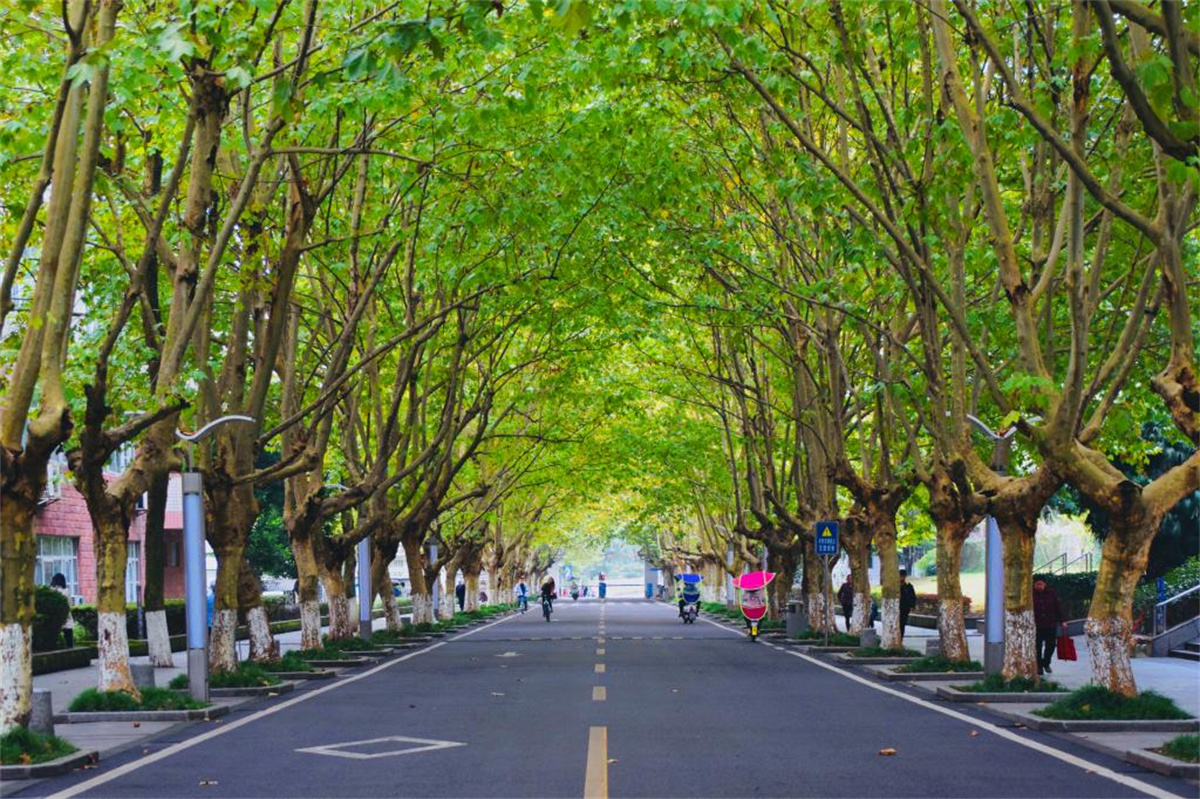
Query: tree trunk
x=340, y=624
x=1110, y=624
x=472, y=579
x=19, y=547
x=222, y=643
x=858, y=548
x=449, y=600
x=112, y=638
x=158, y=637
x=308, y=578
x=263, y=646
x=784, y=563
x=889, y=577
x=381, y=582
x=1020, y=637
x=422, y=602
x=951, y=628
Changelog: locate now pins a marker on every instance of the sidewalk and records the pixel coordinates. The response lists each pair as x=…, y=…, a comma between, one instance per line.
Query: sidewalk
x=111, y=737
x=1172, y=677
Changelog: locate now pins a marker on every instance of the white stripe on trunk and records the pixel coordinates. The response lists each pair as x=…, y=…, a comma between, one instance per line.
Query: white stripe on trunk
x=113, y=644
x=422, y=609
x=16, y=676
x=310, y=624
x=1020, y=645
x=262, y=643
x=221, y=655
x=890, y=613
x=158, y=639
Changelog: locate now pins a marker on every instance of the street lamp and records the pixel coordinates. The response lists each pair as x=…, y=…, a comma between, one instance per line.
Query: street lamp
x=993, y=619
x=195, y=606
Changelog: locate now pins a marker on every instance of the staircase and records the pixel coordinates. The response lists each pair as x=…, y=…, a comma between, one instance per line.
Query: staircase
x=1189, y=651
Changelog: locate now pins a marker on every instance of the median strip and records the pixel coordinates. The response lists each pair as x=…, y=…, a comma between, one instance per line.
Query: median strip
x=595, y=781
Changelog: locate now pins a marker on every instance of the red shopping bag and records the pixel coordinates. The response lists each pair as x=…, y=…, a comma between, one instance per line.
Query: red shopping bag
x=1066, y=646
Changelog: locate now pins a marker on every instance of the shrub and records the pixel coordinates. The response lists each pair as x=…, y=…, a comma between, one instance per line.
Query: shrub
x=93, y=701
x=835, y=639
x=290, y=661
x=1183, y=747
x=996, y=684
x=1074, y=591
x=50, y=610
x=1098, y=702
x=324, y=653
x=939, y=663
x=354, y=644
x=20, y=746
x=246, y=675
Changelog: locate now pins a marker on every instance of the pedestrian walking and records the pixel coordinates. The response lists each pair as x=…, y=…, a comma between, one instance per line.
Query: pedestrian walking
x=59, y=583
x=1047, y=618
x=908, y=600
x=845, y=596
x=460, y=594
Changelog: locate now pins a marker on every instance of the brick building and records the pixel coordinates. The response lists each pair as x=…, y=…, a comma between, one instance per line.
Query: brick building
x=66, y=542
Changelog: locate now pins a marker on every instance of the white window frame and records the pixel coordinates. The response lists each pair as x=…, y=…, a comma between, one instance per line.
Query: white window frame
x=133, y=572
x=58, y=554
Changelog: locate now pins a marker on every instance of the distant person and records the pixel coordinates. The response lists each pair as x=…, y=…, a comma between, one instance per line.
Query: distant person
x=482, y=596
x=460, y=595
x=212, y=598
x=845, y=597
x=59, y=583
x=908, y=600
x=1047, y=617
x=549, y=591
x=522, y=591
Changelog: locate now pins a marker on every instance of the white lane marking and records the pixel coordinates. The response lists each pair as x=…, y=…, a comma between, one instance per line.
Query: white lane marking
x=599, y=693
x=600, y=668
x=121, y=771
x=338, y=750
x=1086, y=765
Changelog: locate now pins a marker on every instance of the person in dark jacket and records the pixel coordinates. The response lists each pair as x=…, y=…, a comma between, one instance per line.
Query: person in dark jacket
x=908, y=600
x=1047, y=617
x=460, y=594
x=845, y=597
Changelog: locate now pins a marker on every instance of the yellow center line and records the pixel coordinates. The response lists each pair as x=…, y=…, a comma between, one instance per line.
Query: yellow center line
x=599, y=668
x=599, y=640
x=600, y=651
x=595, y=782
x=599, y=693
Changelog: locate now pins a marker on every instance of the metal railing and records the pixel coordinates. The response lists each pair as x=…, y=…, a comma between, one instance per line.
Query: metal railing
x=1175, y=610
x=1065, y=565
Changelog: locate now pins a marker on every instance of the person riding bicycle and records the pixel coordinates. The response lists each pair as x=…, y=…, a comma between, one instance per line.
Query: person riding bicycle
x=549, y=590
x=523, y=596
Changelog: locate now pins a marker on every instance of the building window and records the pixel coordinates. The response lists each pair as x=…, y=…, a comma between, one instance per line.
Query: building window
x=58, y=554
x=132, y=572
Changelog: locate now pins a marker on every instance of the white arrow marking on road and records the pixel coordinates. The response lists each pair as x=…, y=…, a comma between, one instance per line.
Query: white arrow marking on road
x=335, y=750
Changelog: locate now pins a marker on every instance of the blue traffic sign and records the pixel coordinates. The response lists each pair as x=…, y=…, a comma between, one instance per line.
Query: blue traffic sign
x=827, y=538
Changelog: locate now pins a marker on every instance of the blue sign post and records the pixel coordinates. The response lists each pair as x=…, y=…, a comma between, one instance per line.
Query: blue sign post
x=827, y=547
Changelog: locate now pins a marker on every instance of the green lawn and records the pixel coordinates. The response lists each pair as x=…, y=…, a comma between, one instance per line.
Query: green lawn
x=972, y=586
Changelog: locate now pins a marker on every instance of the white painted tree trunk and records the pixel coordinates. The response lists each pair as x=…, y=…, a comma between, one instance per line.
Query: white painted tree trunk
x=391, y=612
x=222, y=655
x=889, y=637
x=449, y=605
x=860, y=616
x=158, y=639
x=16, y=676
x=952, y=630
x=339, y=617
x=422, y=608
x=1020, y=645
x=1108, y=644
x=310, y=624
x=814, y=605
x=113, y=645
x=262, y=643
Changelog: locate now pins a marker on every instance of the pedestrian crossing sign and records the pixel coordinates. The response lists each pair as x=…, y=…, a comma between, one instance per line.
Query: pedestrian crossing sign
x=827, y=538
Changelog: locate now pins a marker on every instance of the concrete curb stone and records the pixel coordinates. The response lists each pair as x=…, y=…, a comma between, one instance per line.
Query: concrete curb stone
x=1153, y=761
x=51, y=768
x=951, y=694
x=204, y=714
x=1100, y=725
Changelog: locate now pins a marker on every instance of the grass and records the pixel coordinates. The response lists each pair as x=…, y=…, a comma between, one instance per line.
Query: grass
x=20, y=746
x=93, y=701
x=996, y=684
x=246, y=675
x=290, y=661
x=322, y=653
x=1097, y=702
x=880, y=652
x=835, y=639
x=972, y=583
x=1183, y=747
x=352, y=644
x=939, y=663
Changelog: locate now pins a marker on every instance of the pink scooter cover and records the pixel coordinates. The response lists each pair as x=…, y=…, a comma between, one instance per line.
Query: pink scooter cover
x=753, y=602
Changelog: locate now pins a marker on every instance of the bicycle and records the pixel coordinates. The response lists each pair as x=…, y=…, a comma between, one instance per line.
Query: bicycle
x=523, y=603
x=547, y=607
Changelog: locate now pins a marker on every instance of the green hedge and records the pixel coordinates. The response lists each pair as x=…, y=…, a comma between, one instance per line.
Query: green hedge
x=62, y=659
x=50, y=610
x=1074, y=591
x=85, y=616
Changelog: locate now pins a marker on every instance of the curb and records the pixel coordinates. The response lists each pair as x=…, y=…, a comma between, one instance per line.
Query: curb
x=1153, y=761
x=846, y=658
x=344, y=663
x=250, y=690
x=1101, y=725
x=204, y=714
x=951, y=694
x=51, y=768
x=887, y=673
x=316, y=674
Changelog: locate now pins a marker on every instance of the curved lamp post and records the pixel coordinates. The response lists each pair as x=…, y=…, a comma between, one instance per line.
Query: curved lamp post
x=993, y=618
x=193, y=554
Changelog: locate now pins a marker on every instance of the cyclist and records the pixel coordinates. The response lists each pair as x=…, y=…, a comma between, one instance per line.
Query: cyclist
x=548, y=591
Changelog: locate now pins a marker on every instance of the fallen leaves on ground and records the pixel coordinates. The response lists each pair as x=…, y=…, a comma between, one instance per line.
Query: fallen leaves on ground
x=137, y=724
x=208, y=782
x=887, y=752
x=497, y=693
x=974, y=733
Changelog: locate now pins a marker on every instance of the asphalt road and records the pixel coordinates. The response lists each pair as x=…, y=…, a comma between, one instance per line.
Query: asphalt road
x=609, y=699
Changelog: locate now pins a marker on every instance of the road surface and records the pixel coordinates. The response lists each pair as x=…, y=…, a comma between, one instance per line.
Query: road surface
x=609, y=699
